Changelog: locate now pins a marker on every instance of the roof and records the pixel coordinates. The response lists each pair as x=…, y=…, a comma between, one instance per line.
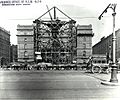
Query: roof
x=24, y=27
x=84, y=27
x=4, y=30
x=84, y=30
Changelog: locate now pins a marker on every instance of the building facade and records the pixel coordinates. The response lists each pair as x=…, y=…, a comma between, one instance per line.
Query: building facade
x=81, y=44
x=25, y=42
x=118, y=44
x=84, y=43
x=105, y=46
x=13, y=53
x=4, y=46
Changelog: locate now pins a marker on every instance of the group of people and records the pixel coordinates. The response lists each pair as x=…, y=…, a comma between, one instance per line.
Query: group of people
x=16, y=67
x=39, y=66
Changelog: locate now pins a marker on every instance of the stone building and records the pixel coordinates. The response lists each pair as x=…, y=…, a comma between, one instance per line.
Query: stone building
x=13, y=53
x=4, y=46
x=118, y=44
x=84, y=43
x=105, y=46
x=54, y=40
x=25, y=42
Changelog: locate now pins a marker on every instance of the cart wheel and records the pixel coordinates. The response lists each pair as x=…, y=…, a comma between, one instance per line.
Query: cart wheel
x=96, y=69
x=108, y=71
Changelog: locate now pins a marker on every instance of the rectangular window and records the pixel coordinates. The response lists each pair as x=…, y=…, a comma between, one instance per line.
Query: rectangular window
x=84, y=45
x=84, y=39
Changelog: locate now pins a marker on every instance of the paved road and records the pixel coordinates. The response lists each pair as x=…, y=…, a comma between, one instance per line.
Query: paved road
x=55, y=85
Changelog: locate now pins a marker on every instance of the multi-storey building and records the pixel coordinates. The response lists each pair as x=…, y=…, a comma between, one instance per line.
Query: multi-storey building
x=13, y=53
x=54, y=40
x=25, y=43
x=4, y=46
x=105, y=46
x=84, y=43
x=118, y=44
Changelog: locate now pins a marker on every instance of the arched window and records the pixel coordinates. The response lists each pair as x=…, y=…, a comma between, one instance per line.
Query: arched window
x=25, y=46
x=84, y=53
x=84, y=61
x=25, y=54
x=25, y=39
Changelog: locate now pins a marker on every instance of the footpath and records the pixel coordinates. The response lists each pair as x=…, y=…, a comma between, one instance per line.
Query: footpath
x=104, y=78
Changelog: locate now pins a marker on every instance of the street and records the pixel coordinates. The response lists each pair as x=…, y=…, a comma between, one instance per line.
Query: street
x=55, y=85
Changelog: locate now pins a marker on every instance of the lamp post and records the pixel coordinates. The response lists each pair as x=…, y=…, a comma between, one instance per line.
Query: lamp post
x=114, y=66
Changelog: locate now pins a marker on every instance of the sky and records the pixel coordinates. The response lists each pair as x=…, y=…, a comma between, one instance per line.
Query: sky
x=84, y=12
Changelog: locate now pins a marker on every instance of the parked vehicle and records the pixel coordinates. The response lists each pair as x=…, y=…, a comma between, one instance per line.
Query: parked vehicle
x=98, y=64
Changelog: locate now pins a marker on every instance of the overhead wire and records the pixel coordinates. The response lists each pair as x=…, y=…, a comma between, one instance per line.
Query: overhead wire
x=76, y=17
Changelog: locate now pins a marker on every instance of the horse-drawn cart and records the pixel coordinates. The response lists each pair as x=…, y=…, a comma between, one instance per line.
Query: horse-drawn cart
x=98, y=64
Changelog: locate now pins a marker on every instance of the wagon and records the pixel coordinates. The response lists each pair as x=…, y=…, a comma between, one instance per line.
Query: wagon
x=98, y=64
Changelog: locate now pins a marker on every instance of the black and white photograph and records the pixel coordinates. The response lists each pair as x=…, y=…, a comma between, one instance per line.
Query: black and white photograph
x=59, y=50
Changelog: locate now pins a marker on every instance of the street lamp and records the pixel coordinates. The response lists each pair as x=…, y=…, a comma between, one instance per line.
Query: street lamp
x=114, y=66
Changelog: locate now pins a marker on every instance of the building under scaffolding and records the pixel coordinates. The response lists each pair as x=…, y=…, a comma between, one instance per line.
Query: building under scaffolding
x=54, y=39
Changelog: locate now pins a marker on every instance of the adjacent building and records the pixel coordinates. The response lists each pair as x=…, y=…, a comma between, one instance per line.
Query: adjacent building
x=13, y=53
x=84, y=43
x=25, y=42
x=4, y=46
x=104, y=46
x=118, y=44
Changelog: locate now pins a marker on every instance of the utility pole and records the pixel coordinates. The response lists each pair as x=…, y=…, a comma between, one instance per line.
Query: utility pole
x=114, y=66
